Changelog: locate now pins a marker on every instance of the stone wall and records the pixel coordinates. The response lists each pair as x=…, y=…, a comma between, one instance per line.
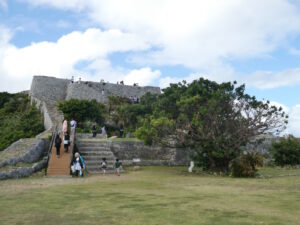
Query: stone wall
x=47, y=91
x=49, y=88
x=55, y=89
x=45, y=111
x=126, y=151
x=100, y=91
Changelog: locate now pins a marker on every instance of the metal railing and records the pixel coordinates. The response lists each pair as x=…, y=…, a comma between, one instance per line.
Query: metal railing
x=72, y=138
x=54, y=133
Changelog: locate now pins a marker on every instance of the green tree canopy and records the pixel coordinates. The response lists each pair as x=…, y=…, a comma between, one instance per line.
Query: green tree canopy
x=215, y=119
x=83, y=110
x=18, y=118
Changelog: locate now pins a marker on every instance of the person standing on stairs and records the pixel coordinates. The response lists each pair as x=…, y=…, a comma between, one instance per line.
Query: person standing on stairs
x=65, y=127
x=121, y=130
x=103, y=165
x=67, y=141
x=103, y=132
x=94, y=129
x=73, y=124
x=78, y=165
x=57, y=145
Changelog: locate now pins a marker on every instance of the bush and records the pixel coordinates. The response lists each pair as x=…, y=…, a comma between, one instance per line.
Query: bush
x=18, y=118
x=245, y=165
x=286, y=152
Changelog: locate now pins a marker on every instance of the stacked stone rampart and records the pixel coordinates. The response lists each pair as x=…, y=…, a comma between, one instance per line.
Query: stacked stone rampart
x=47, y=91
x=101, y=91
x=49, y=88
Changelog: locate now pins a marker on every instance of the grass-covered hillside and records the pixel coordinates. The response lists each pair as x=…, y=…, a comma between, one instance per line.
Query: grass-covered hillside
x=154, y=195
x=18, y=118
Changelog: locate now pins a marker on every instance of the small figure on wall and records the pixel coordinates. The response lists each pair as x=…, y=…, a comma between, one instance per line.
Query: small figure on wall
x=94, y=129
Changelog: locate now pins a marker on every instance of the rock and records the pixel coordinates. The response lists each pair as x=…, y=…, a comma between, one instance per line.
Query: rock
x=36, y=152
x=40, y=165
x=23, y=172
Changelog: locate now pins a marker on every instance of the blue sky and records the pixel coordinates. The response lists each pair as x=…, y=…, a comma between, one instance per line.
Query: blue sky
x=156, y=42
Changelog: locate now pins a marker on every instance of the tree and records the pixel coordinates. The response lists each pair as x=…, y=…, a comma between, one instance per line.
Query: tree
x=214, y=119
x=18, y=118
x=287, y=151
x=83, y=110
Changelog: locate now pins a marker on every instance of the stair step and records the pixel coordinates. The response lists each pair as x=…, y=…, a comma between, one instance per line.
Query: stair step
x=93, y=151
x=98, y=159
x=82, y=149
x=85, y=144
x=88, y=164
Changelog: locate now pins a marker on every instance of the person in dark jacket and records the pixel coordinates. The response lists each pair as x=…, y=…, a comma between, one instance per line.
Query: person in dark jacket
x=94, y=129
x=57, y=145
x=121, y=130
x=67, y=141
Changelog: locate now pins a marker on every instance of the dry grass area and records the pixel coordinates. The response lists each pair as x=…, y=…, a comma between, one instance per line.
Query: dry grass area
x=153, y=195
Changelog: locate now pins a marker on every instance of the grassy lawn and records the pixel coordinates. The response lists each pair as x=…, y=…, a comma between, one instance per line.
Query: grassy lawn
x=153, y=195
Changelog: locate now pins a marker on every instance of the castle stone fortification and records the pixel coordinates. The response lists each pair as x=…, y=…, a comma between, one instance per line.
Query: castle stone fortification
x=55, y=89
x=47, y=91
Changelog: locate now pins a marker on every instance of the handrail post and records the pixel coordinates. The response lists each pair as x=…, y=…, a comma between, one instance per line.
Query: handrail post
x=73, y=131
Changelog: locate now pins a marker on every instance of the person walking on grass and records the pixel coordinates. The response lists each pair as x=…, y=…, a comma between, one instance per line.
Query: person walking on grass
x=117, y=166
x=57, y=145
x=67, y=141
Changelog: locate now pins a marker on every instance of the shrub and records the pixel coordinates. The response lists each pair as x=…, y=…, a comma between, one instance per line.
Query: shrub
x=18, y=118
x=245, y=165
x=286, y=152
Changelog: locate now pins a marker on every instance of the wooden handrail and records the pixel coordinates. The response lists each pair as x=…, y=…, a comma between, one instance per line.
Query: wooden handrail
x=54, y=133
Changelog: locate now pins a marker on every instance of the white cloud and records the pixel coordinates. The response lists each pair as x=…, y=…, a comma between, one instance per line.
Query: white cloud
x=166, y=81
x=294, y=121
x=198, y=34
x=293, y=112
x=265, y=80
x=17, y=65
x=143, y=77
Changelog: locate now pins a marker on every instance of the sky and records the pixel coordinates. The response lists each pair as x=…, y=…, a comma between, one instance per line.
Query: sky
x=156, y=42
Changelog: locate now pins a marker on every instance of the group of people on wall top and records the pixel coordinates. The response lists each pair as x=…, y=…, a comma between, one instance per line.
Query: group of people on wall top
x=134, y=99
x=103, y=133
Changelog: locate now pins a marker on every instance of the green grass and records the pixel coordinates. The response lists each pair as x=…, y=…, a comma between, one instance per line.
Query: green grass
x=153, y=195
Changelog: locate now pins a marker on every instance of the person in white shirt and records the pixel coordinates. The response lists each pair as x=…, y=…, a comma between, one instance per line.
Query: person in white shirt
x=73, y=124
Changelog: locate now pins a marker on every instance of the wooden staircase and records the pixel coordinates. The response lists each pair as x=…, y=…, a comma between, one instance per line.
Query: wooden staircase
x=60, y=166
